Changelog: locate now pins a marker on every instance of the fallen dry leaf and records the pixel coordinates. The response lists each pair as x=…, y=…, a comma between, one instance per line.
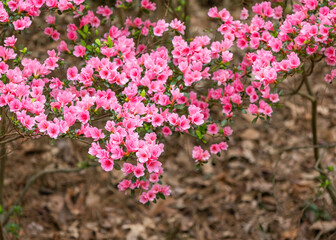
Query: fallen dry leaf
x=250, y=134
x=324, y=226
x=289, y=234
x=136, y=230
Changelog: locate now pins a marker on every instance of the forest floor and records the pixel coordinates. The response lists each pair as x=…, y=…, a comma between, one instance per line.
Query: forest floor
x=253, y=191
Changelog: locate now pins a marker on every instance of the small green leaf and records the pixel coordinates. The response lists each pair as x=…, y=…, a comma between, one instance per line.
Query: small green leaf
x=180, y=106
x=82, y=34
x=109, y=41
x=98, y=42
x=199, y=134
x=223, y=123
x=17, y=209
x=143, y=93
x=86, y=28
x=160, y=194
x=330, y=168
x=83, y=43
x=254, y=120
x=116, y=166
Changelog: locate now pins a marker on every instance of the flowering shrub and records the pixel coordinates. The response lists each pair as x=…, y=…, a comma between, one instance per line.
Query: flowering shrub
x=143, y=92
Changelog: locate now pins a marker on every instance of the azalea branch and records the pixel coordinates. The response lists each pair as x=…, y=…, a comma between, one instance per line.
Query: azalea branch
x=3, y=156
x=10, y=139
x=330, y=187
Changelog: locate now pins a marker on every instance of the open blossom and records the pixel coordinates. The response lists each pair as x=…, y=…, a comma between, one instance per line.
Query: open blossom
x=72, y=73
x=166, y=131
x=139, y=170
x=107, y=164
x=244, y=14
x=143, y=155
x=199, y=154
x=294, y=60
x=227, y=131
x=160, y=28
x=50, y=19
x=212, y=128
x=215, y=148
x=213, y=12
x=3, y=15
x=63, y=47
x=104, y=11
x=79, y=51
x=22, y=23
x=53, y=130
x=177, y=25
x=146, y=4
x=10, y=41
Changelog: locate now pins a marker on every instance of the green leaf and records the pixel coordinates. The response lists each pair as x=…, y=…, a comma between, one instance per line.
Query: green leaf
x=254, y=120
x=330, y=168
x=116, y=166
x=180, y=106
x=82, y=34
x=98, y=42
x=224, y=122
x=14, y=229
x=199, y=134
x=83, y=43
x=109, y=41
x=160, y=194
x=24, y=50
x=134, y=179
x=143, y=93
x=17, y=209
x=86, y=28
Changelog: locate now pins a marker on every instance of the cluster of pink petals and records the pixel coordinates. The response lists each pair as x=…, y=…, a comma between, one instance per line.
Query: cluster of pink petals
x=3, y=14
x=146, y=4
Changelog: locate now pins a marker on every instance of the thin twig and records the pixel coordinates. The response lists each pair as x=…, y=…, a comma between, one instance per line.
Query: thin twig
x=309, y=97
x=83, y=141
x=10, y=140
x=318, y=163
x=298, y=88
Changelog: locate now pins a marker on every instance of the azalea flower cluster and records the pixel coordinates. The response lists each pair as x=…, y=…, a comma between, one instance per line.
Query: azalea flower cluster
x=125, y=96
